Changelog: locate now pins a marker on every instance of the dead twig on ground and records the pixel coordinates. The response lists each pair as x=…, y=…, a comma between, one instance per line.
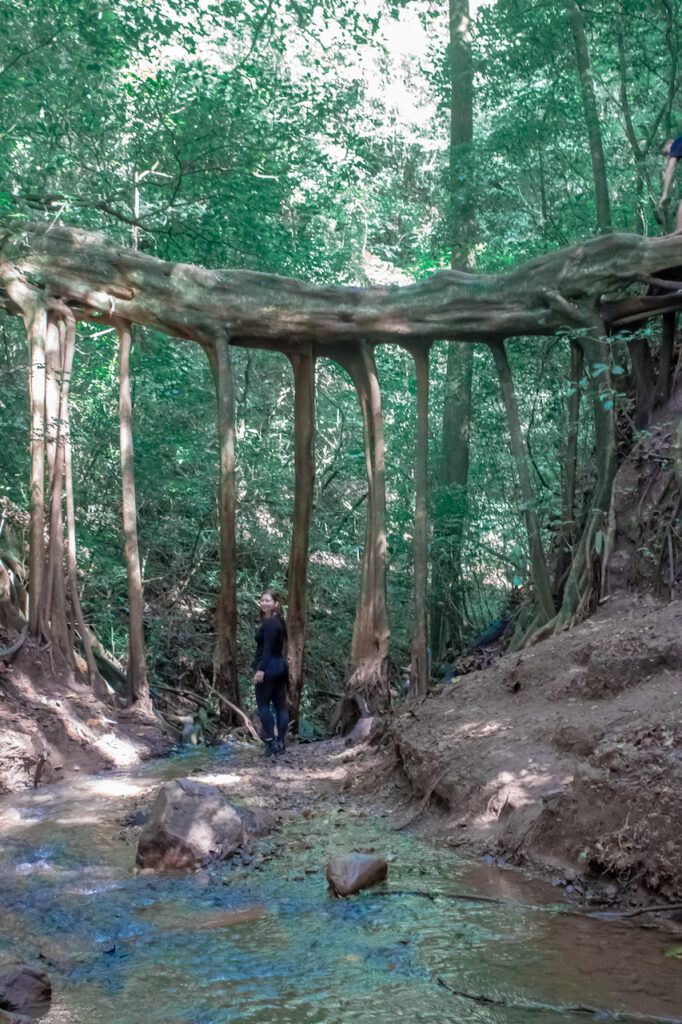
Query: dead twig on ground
x=423, y=802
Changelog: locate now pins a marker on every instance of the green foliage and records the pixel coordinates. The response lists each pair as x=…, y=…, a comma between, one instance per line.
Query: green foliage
x=311, y=140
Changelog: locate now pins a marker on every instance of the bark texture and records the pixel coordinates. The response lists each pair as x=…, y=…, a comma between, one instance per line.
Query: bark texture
x=367, y=689
x=304, y=484
x=558, y=290
x=138, y=690
x=419, y=666
x=541, y=580
x=225, y=669
x=584, y=64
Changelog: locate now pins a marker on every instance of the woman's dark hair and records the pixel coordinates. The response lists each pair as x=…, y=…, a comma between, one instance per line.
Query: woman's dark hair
x=277, y=598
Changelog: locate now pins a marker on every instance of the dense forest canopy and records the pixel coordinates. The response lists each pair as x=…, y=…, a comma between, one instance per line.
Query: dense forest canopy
x=361, y=145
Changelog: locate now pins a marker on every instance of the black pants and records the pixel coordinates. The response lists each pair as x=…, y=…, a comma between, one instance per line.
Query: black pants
x=273, y=692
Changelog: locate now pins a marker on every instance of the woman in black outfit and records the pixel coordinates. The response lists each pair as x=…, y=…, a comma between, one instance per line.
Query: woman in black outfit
x=271, y=672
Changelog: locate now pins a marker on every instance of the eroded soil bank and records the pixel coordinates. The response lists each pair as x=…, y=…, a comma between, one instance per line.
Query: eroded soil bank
x=52, y=726
x=566, y=757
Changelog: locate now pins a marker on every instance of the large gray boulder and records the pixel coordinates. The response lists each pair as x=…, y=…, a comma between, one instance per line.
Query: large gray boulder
x=24, y=989
x=356, y=871
x=191, y=823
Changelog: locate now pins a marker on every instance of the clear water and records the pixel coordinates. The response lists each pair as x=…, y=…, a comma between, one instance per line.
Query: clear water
x=267, y=943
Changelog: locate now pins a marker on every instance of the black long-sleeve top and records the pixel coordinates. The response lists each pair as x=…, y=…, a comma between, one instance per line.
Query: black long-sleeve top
x=269, y=642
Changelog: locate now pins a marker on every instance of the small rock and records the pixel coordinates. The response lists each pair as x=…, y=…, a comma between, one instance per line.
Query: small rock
x=356, y=871
x=191, y=823
x=25, y=990
x=256, y=820
x=136, y=818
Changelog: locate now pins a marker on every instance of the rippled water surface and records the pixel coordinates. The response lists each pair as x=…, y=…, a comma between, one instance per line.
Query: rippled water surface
x=266, y=943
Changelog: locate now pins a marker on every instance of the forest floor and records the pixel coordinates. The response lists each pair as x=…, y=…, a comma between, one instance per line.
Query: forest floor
x=52, y=726
x=565, y=760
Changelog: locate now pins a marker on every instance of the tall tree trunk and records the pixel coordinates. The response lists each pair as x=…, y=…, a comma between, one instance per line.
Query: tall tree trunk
x=570, y=469
x=98, y=684
x=451, y=501
x=367, y=689
x=643, y=367
x=420, y=666
x=36, y=327
x=52, y=612
x=138, y=687
x=304, y=484
x=584, y=65
x=665, y=359
x=226, y=678
x=447, y=616
x=541, y=580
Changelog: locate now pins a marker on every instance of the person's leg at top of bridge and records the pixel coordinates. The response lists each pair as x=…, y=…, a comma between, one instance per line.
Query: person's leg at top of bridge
x=672, y=150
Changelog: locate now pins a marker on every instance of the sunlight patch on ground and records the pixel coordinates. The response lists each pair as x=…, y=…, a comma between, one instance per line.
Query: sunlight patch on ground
x=217, y=778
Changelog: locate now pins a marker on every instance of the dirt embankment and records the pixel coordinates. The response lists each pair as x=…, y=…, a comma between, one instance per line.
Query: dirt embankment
x=51, y=726
x=566, y=757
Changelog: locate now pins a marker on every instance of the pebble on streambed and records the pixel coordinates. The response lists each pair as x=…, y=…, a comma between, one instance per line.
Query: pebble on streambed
x=23, y=989
x=355, y=871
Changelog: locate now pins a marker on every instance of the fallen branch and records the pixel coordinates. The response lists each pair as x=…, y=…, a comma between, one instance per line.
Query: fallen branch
x=465, y=897
x=239, y=713
x=656, y=908
x=621, y=1016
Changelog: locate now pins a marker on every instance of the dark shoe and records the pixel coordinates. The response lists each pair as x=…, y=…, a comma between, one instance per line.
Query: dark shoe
x=270, y=748
x=280, y=748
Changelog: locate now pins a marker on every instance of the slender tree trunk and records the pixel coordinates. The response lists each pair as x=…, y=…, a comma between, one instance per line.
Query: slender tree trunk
x=541, y=580
x=304, y=485
x=98, y=684
x=570, y=469
x=447, y=617
x=451, y=501
x=420, y=661
x=584, y=65
x=665, y=359
x=225, y=669
x=36, y=326
x=138, y=687
x=643, y=367
x=52, y=613
x=367, y=689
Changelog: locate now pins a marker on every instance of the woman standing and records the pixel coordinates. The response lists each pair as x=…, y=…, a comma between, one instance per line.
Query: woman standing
x=271, y=672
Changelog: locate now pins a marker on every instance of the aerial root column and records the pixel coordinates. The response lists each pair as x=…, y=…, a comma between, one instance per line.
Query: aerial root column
x=304, y=483
x=367, y=690
x=52, y=610
x=138, y=689
x=419, y=667
x=68, y=340
x=35, y=319
x=225, y=667
x=541, y=580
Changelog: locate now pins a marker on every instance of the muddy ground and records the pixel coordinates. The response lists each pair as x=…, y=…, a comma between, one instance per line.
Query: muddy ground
x=565, y=759
x=52, y=726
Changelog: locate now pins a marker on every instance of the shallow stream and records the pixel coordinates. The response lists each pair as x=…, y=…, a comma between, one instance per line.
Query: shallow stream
x=267, y=943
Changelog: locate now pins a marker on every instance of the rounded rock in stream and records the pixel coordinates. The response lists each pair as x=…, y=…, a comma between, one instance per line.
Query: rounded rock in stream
x=348, y=875
x=191, y=823
x=24, y=989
